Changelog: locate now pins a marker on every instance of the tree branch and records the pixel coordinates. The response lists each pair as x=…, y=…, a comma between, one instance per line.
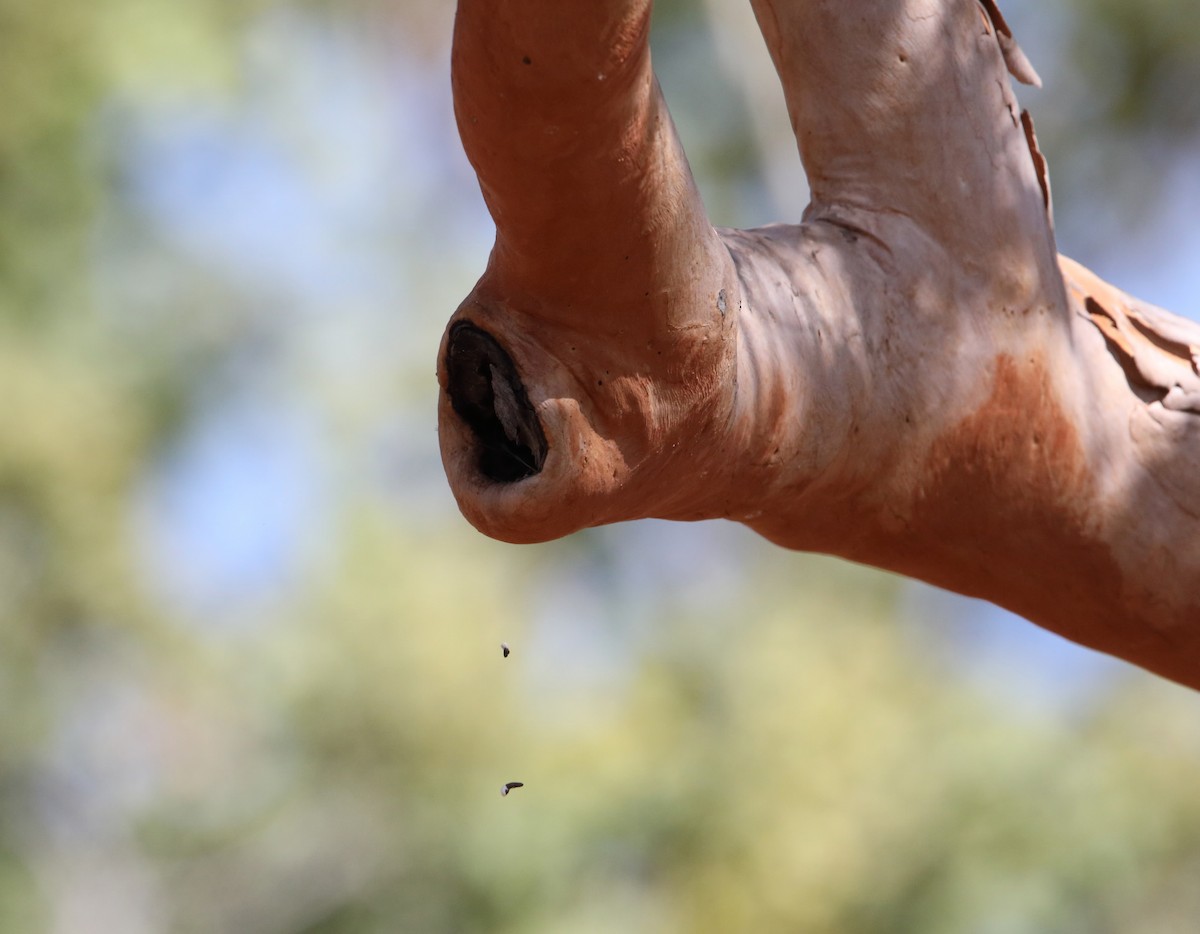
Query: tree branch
x=905, y=379
x=564, y=122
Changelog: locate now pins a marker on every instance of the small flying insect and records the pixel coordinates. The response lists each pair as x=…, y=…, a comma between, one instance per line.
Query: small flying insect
x=505, y=649
x=509, y=786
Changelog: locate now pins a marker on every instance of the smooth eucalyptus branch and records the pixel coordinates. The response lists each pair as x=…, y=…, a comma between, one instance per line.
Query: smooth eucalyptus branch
x=911, y=377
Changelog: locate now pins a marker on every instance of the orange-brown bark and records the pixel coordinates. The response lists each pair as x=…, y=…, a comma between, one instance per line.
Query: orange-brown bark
x=911, y=378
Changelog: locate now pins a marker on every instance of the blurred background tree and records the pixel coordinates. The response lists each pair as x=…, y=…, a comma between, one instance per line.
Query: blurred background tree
x=250, y=676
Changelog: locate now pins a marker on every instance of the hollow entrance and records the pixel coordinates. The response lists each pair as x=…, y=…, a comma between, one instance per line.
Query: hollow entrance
x=487, y=394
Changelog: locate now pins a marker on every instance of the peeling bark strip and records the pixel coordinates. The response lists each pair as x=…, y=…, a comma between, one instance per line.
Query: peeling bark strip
x=1039, y=164
x=1018, y=65
x=911, y=378
x=1157, y=350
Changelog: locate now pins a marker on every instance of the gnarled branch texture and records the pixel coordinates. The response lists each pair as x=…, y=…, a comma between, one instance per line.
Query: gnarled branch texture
x=911, y=377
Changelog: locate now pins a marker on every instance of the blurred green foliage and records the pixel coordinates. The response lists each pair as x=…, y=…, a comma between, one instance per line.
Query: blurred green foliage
x=1141, y=63
x=1119, y=118
x=777, y=754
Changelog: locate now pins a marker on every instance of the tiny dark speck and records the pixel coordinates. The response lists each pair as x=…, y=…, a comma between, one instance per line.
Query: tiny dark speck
x=505, y=649
x=509, y=786
x=527, y=60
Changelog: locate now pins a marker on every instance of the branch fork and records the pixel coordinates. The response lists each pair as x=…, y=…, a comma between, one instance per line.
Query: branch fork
x=909, y=377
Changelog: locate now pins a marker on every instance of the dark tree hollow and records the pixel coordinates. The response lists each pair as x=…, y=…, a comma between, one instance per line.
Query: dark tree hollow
x=486, y=392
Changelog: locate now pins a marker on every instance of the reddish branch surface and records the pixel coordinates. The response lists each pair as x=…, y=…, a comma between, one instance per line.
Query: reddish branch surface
x=911, y=377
